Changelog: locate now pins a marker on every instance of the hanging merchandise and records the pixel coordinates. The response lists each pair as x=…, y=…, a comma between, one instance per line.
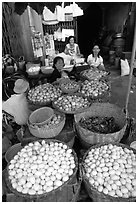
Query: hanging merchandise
x=49, y=44
x=58, y=34
x=66, y=33
x=59, y=12
x=37, y=43
x=49, y=17
x=77, y=11
x=68, y=13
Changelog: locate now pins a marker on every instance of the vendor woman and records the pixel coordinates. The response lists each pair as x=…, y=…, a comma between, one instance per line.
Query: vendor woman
x=95, y=60
x=72, y=48
x=58, y=72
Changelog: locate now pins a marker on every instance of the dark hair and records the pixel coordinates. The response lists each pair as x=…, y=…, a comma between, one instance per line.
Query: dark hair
x=70, y=38
x=93, y=47
x=57, y=59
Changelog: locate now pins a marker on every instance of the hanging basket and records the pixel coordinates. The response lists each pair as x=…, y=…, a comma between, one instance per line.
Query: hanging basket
x=90, y=138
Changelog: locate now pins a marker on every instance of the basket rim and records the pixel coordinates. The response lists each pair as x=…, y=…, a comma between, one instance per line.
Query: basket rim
x=75, y=89
x=54, y=126
x=87, y=180
x=39, y=109
x=53, y=191
x=41, y=103
x=72, y=112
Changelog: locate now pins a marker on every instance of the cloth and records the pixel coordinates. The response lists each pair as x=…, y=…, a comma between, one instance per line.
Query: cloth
x=72, y=50
x=66, y=33
x=17, y=106
x=92, y=62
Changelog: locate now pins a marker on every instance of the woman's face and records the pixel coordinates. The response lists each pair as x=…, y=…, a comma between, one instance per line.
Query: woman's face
x=59, y=64
x=71, y=41
x=96, y=50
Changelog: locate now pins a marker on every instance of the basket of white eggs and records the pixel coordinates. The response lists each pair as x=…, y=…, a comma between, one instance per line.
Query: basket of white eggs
x=43, y=170
x=109, y=173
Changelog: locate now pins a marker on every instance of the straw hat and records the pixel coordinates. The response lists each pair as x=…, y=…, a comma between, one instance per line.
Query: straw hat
x=20, y=86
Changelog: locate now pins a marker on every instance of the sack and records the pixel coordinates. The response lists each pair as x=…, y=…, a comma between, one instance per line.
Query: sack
x=125, y=69
x=17, y=106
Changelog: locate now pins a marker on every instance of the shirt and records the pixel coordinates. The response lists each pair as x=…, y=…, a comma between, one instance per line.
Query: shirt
x=92, y=62
x=72, y=50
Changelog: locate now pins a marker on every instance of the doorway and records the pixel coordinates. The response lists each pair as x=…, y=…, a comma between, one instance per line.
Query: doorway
x=89, y=26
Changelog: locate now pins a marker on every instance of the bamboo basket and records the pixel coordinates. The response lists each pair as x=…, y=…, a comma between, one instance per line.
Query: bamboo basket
x=73, y=112
x=69, y=91
x=41, y=116
x=90, y=138
x=67, y=192
x=42, y=132
x=94, y=194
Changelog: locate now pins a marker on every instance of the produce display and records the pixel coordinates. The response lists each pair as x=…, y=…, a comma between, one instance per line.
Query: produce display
x=71, y=103
x=40, y=167
x=94, y=88
x=91, y=74
x=100, y=124
x=43, y=93
x=69, y=86
x=55, y=120
x=111, y=169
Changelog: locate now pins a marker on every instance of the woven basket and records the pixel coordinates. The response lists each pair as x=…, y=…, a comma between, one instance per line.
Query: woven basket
x=42, y=132
x=12, y=151
x=94, y=194
x=69, y=91
x=64, y=193
x=101, y=110
x=105, y=96
x=41, y=116
x=89, y=79
x=47, y=70
x=72, y=112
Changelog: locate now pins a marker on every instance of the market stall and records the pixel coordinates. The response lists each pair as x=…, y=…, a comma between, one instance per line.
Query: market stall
x=72, y=143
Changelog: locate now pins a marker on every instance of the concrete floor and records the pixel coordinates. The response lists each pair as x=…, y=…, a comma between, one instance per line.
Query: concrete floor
x=119, y=89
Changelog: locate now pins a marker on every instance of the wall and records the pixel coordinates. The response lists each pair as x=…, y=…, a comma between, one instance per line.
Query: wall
x=115, y=19
x=116, y=16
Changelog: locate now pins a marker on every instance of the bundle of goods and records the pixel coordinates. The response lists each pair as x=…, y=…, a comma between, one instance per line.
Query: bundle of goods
x=95, y=89
x=71, y=104
x=32, y=69
x=109, y=173
x=100, y=123
x=42, y=170
x=47, y=70
x=43, y=94
x=95, y=74
x=42, y=127
x=69, y=86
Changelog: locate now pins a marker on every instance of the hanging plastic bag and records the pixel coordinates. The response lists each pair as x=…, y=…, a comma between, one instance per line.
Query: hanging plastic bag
x=49, y=17
x=125, y=69
x=59, y=12
x=68, y=13
x=77, y=11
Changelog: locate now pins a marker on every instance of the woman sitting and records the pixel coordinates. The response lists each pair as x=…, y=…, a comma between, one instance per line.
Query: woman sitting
x=95, y=60
x=72, y=48
x=58, y=72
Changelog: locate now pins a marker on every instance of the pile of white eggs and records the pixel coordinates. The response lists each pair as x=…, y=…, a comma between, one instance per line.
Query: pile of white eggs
x=111, y=169
x=41, y=167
